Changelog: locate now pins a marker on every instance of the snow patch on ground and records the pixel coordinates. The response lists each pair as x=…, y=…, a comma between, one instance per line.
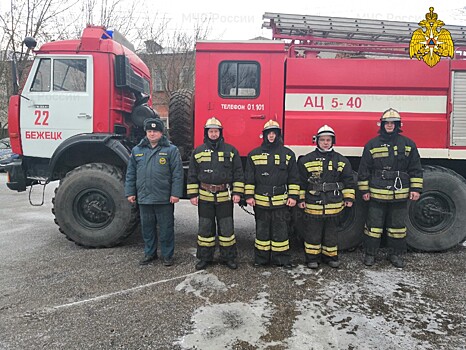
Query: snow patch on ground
x=220, y=326
x=387, y=312
x=382, y=309
x=201, y=284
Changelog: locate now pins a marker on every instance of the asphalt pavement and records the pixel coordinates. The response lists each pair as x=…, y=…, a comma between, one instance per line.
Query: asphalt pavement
x=57, y=295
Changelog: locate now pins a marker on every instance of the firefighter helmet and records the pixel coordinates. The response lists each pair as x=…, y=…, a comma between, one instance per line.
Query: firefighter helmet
x=271, y=124
x=390, y=115
x=213, y=123
x=325, y=131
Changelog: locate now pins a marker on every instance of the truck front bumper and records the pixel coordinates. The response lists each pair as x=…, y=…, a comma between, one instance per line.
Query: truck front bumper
x=16, y=179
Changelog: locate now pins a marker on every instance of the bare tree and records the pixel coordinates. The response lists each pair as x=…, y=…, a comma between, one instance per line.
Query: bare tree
x=174, y=62
x=48, y=20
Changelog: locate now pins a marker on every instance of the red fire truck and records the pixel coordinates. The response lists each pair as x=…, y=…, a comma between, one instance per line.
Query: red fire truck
x=82, y=107
x=299, y=81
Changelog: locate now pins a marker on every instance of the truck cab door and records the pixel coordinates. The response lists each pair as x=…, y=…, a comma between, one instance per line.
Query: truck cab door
x=242, y=84
x=56, y=103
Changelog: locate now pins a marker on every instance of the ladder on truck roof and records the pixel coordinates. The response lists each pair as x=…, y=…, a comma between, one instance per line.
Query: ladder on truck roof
x=359, y=35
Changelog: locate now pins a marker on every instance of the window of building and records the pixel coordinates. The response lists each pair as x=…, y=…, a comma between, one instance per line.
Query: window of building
x=239, y=79
x=157, y=80
x=69, y=74
x=41, y=82
x=187, y=77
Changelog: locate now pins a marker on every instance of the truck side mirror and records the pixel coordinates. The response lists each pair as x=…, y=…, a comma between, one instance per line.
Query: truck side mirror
x=30, y=43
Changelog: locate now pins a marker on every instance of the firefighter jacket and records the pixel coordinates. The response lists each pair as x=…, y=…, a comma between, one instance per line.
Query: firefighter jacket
x=326, y=183
x=271, y=176
x=390, y=168
x=154, y=174
x=215, y=173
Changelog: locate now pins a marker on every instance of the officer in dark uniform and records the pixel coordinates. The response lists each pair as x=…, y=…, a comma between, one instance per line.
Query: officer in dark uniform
x=327, y=186
x=390, y=173
x=215, y=182
x=271, y=187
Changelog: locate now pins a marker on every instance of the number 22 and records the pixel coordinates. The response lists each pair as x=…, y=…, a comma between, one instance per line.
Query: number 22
x=42, y=117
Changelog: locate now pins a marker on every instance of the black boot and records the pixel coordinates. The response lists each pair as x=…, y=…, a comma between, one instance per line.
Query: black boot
x=147, y=259
x=202, y=265
x=369, y=260
x=397, y=261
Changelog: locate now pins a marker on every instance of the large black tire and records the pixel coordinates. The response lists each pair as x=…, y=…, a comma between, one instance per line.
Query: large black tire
x=180, y=121
x=90, y=206
x=437, y=221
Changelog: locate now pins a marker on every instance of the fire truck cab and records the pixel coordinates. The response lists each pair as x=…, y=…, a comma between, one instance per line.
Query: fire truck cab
x=75, y=119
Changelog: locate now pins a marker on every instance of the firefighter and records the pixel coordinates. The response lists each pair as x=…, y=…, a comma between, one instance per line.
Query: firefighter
x=390, y=173
x=327, y=186
x=215, y=182
x=271, y=187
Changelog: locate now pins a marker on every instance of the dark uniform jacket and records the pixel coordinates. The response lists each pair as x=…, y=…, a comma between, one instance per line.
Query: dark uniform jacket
x=271, y=176
x=215, y=173
x=154, y=174
x=326, y=182
x=390, y=168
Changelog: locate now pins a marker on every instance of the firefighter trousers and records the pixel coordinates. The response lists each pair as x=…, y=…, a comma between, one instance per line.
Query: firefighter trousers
x=272, y=244
x=391, y=217
x=161, y=215
x=216, y=218
x=320, y=236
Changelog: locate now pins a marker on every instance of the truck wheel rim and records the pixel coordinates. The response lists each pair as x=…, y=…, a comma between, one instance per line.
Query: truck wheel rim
x=434, y=212
x=94, y=208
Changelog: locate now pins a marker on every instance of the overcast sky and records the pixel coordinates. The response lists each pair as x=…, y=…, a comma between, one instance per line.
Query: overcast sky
x=242, y=19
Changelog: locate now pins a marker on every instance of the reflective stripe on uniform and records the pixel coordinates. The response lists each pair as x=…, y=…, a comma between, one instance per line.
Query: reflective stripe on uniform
x=375, y=232
x=192, y=189
x=206, y=241
x=349, y=193
x=207, y=196
x=314, y=166
x=302, y=194
x=262, y=245
x=280, y=246
x=379, y=193
x=259, y=159
x=341, y=165
x=379, y=152
x=314, y=249
x=266, y=201
x=249, y=189
x=330, y=251
x=320, y=209
x=396, y=232
x=203, y=156
x=227, y=241
x=416, y=182
x=293, y=189
x=363, y=185
x=238, y=187
x=221, y=157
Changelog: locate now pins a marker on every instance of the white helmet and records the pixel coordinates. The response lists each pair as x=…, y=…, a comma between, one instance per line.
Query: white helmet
x=324, y=131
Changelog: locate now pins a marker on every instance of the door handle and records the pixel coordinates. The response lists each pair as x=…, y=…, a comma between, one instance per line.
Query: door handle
x=84, y=115
x=258, y=116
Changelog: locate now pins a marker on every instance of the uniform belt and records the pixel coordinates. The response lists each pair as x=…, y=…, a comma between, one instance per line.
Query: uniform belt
x=213, y=188
x=390, y=174
x=270, y=190
x=326, y=186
